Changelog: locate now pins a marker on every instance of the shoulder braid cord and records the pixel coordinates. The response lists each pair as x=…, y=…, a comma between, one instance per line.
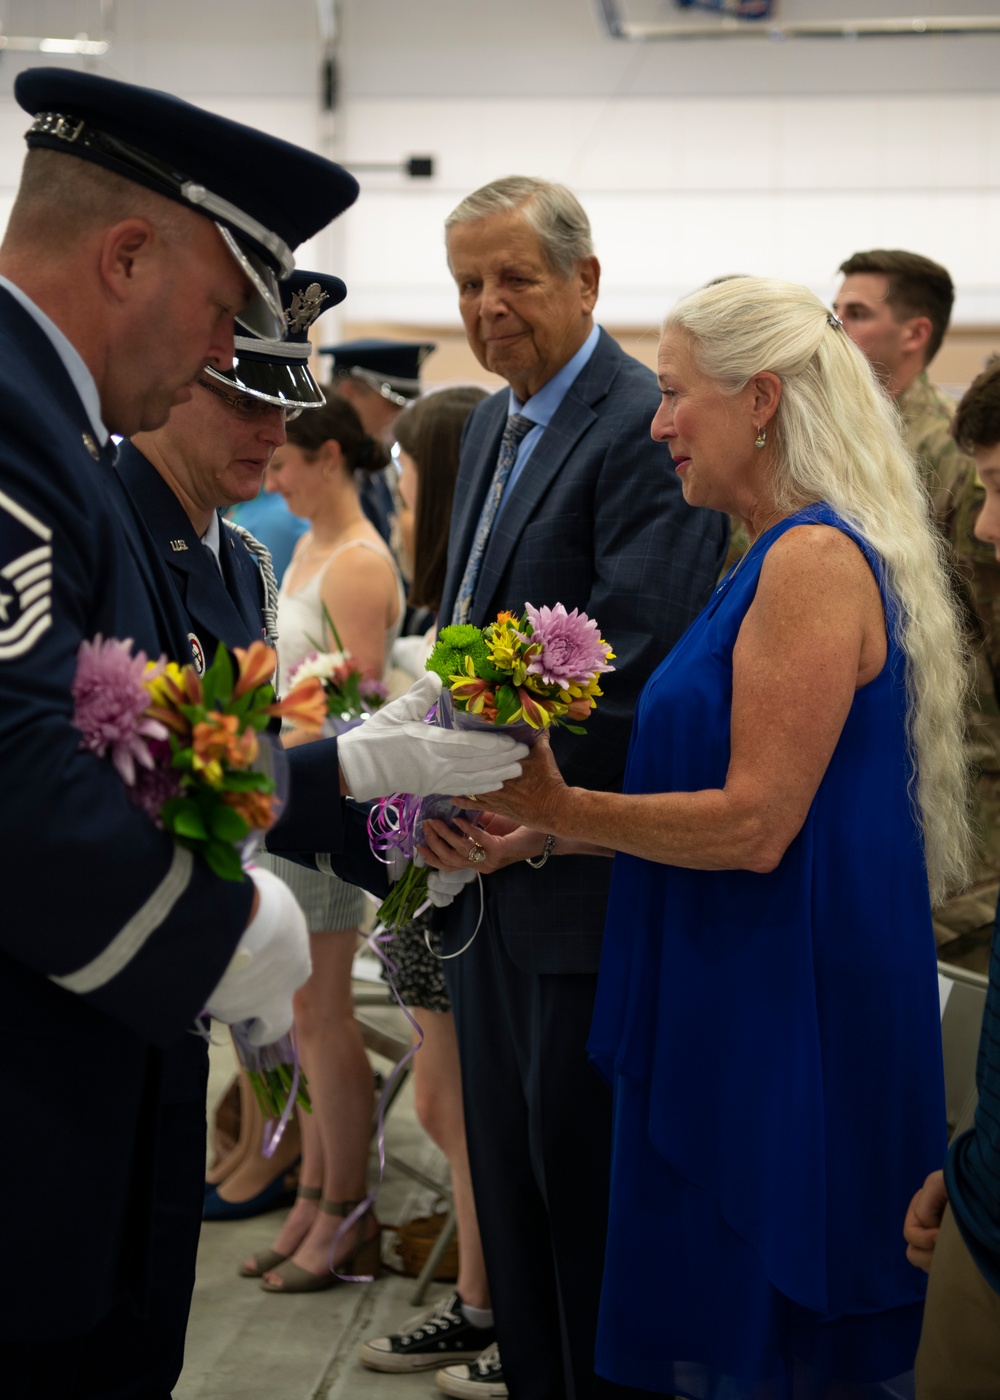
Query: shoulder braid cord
x=263, y=556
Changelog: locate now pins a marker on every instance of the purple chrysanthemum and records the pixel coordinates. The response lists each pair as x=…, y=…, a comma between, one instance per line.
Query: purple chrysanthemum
x=572, y=650
x=155, y=786
x=110, y=702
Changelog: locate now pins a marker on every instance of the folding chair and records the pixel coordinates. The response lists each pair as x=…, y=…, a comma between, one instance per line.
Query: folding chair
x=963, y=1001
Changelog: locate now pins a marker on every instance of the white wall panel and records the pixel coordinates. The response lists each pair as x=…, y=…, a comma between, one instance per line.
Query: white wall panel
x=680, y=190
x=691, y=159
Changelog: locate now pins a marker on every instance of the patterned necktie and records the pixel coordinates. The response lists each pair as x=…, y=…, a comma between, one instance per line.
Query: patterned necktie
x=516, y=427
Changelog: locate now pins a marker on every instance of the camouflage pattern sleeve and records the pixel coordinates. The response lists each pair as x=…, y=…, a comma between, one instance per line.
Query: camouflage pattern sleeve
x=926, y=413
x=963, y=926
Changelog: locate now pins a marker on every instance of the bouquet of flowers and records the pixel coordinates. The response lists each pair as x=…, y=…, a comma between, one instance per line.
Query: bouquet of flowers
x=538, y=671
x=351, y=693
x=186, y=745
x=187, y=749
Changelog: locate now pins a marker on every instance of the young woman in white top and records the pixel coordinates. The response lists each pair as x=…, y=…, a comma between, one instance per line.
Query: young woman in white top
x=341, y=564
x=428, y=436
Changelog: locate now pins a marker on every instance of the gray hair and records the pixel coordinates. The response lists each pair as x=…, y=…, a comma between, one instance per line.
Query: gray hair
x=553, y=211
x=837, y=439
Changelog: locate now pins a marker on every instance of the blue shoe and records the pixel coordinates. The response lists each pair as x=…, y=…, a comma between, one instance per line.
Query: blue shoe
x=274, y=1195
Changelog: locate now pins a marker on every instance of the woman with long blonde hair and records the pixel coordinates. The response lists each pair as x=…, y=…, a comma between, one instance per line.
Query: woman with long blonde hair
x=767, y=1011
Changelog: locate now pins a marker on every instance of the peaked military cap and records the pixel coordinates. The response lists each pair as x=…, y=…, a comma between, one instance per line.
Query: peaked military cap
x=278, y=370
x=265, y=195
x=390, y=367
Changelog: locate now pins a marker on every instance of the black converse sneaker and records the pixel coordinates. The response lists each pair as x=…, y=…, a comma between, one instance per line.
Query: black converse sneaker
x=482, y=1379
x=441, y=1333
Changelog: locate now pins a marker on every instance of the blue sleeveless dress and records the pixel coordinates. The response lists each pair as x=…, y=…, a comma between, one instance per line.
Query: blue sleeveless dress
x=774, y=1046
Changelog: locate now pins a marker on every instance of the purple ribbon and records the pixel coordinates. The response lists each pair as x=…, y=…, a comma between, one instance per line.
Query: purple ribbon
x=271, y=1140
x=392, y=826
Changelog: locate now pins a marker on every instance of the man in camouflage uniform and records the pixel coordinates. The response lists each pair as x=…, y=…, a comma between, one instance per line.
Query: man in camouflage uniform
x=895, y=306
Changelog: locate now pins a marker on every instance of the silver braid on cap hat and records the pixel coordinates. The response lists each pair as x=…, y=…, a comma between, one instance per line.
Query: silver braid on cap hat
x=263, y=556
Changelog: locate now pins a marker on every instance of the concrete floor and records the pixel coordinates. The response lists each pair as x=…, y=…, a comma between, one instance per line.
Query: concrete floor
x=243, y=1342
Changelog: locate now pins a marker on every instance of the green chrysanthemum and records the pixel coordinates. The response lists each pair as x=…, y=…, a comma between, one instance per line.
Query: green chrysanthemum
x=454, y=644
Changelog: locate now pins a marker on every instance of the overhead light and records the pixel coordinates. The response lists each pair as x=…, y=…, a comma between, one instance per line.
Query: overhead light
x=80, y=45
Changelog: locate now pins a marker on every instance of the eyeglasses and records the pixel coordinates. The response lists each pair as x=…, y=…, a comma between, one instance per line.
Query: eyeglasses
x=249, y=409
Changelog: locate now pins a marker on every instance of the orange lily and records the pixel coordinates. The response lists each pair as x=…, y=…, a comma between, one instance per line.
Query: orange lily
x=305, y=704
x=538, y=713
x=173, y=719
x=478, y=695
x=256, y=665
x=256, y=808
x=217, y=741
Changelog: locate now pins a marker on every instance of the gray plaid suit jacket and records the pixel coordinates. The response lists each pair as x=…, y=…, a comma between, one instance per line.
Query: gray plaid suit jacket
x=596, y=521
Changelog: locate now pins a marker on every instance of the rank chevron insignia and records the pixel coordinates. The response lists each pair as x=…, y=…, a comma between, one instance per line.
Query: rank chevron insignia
x=25, y=579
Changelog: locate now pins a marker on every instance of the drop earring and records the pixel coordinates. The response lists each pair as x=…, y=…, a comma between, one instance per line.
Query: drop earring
x=761, y=439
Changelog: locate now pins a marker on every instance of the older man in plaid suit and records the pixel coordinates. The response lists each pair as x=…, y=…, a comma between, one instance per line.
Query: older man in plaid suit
x=561, y=497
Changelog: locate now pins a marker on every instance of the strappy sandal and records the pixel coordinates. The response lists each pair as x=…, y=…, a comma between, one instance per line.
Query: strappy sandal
x=364, y=1259
x=271, y=1258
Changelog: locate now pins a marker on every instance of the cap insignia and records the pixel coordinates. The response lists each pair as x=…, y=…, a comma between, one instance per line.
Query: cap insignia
x=54, y=124
x=305, y=307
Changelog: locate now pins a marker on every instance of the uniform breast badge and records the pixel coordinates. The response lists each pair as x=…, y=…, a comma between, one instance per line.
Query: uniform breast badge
x=197, y=653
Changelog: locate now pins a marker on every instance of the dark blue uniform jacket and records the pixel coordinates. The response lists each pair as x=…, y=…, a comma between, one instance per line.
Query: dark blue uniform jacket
x=228, y=608
x=111, y=938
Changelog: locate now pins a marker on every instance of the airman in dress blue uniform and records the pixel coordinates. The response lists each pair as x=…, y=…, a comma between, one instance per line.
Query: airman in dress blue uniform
x=135, y=210
x=212, y=451
x=114, y=939
x=379, y=378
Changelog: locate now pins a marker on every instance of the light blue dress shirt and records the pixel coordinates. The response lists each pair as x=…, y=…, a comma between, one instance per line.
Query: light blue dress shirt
x=83, y=380
x=541, y=408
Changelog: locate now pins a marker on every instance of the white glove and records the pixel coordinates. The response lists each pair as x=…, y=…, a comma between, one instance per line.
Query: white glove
x=394, y=751
x=445, y=885
x=270, y=962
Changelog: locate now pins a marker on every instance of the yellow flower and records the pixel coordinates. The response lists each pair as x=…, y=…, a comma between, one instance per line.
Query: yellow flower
x=589, y=691
x=175, y=686
x=503, y=649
